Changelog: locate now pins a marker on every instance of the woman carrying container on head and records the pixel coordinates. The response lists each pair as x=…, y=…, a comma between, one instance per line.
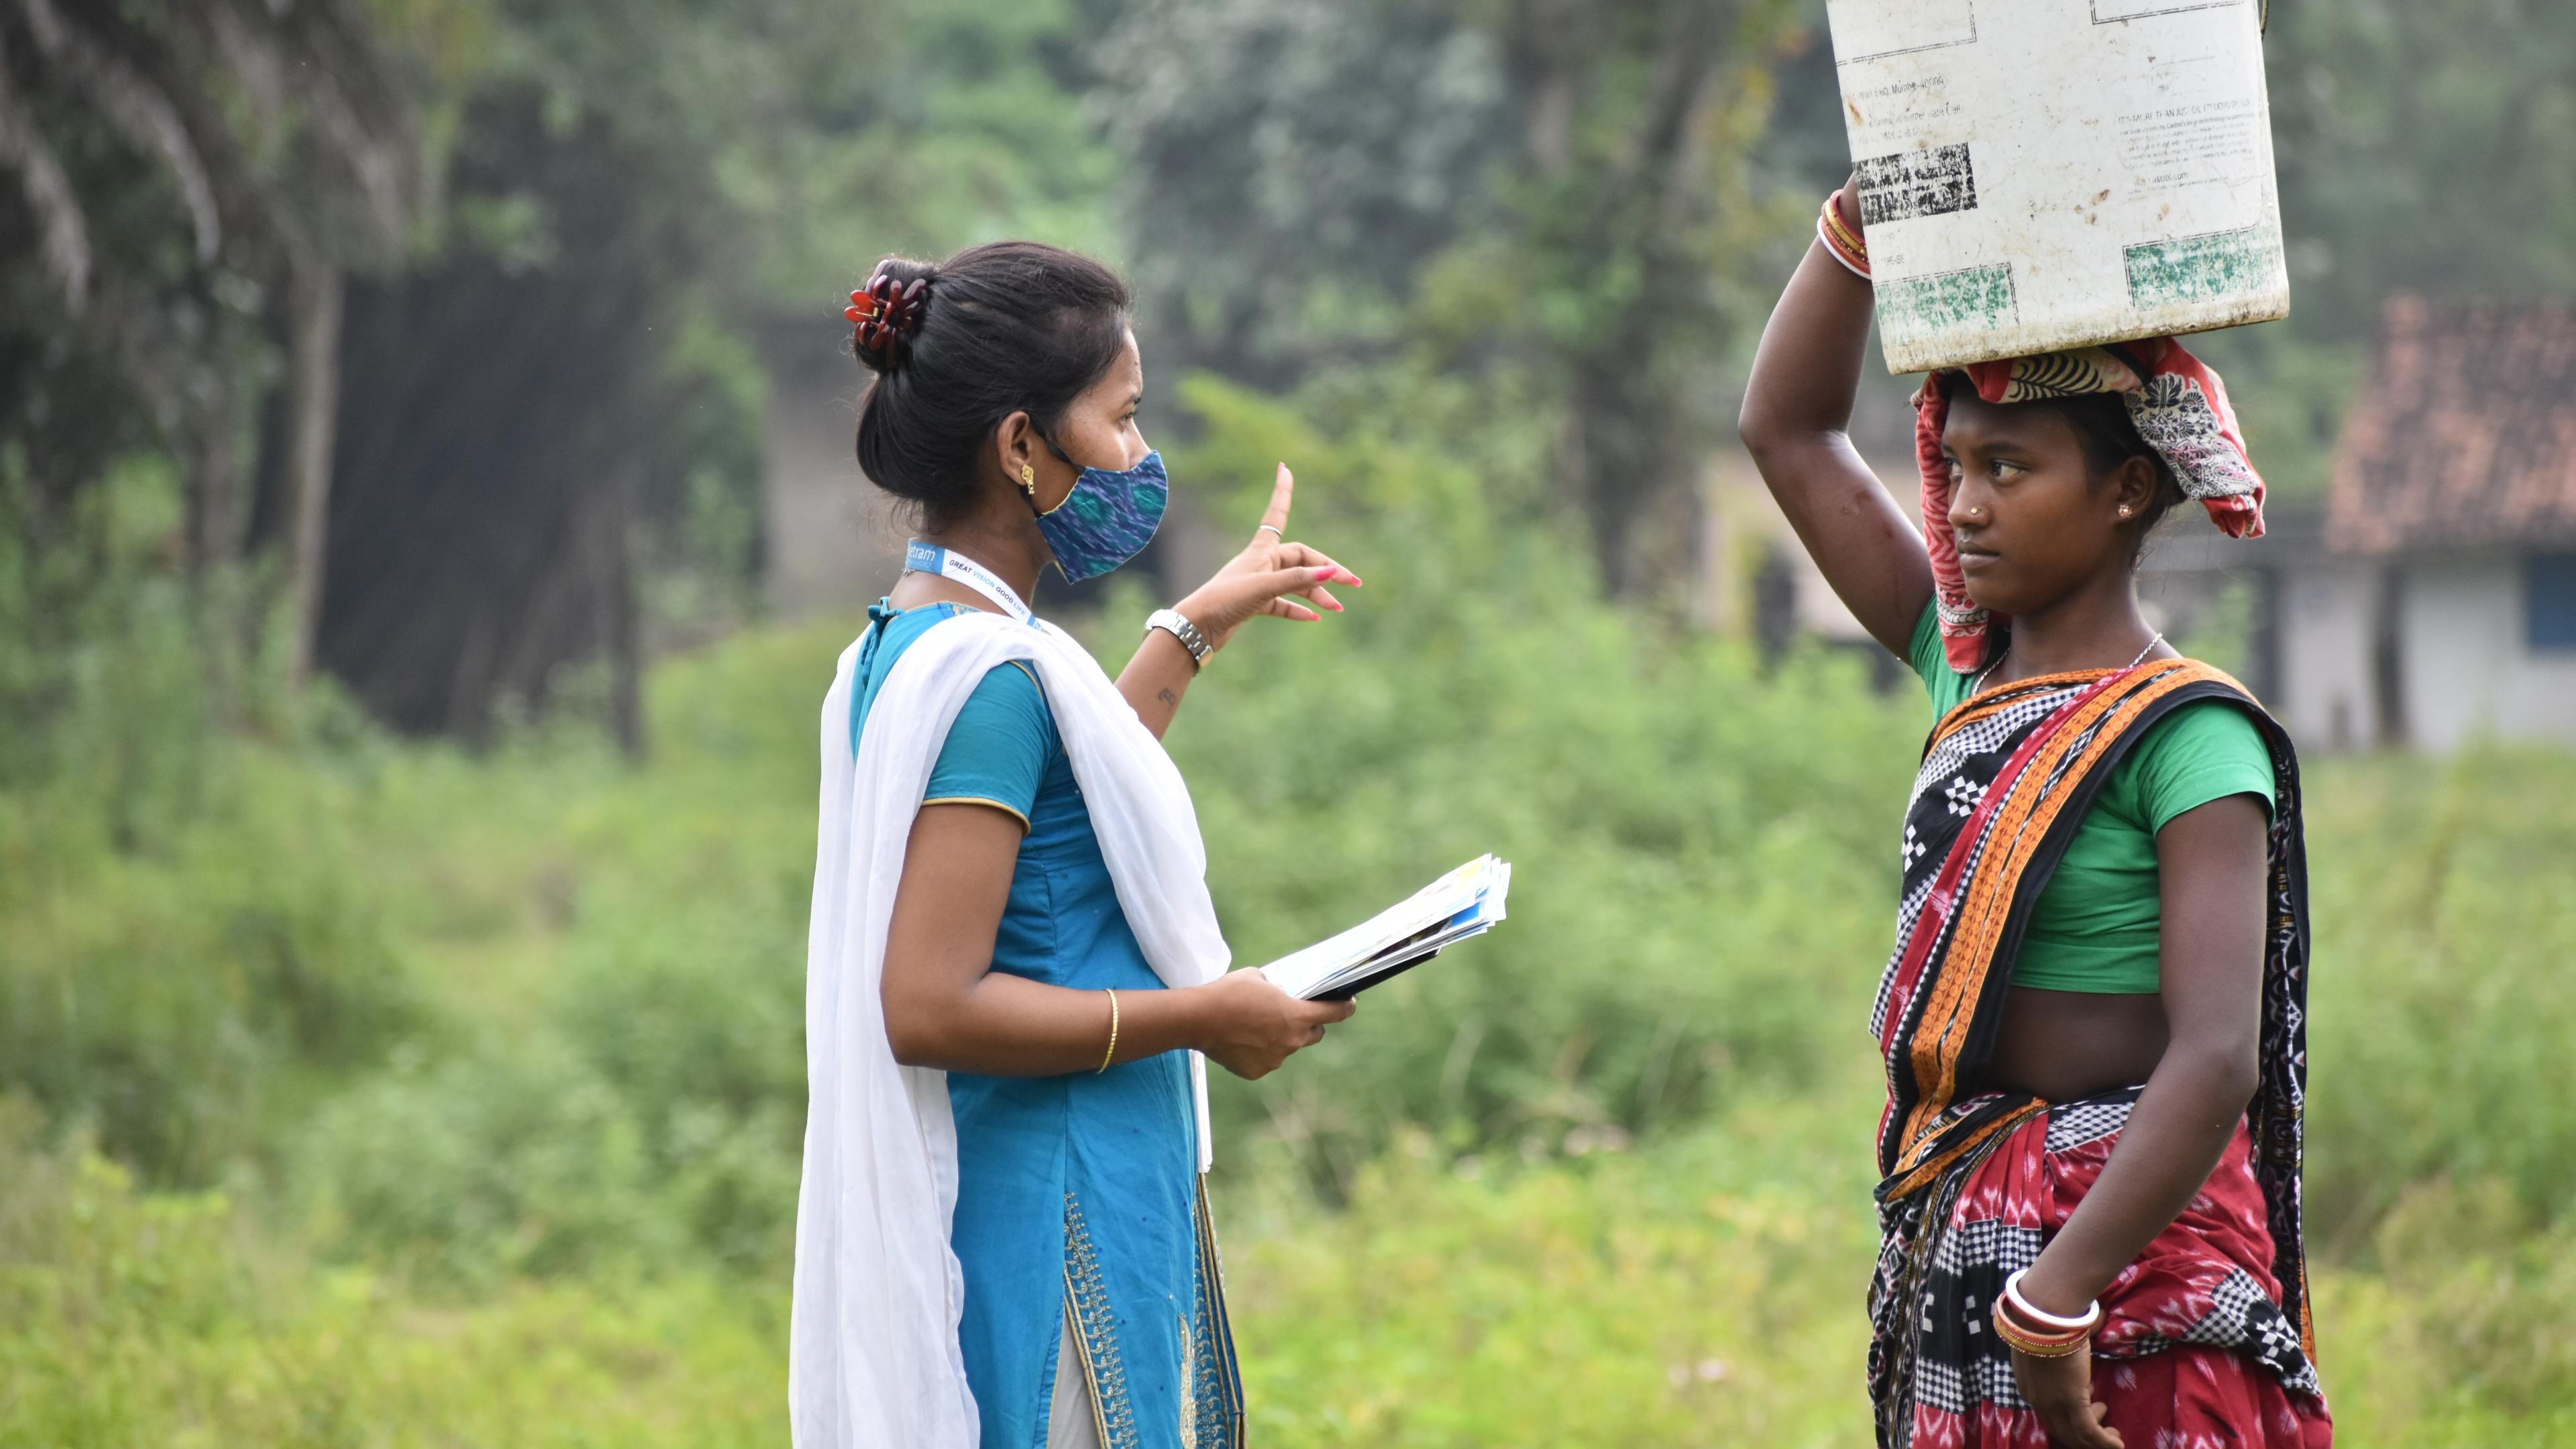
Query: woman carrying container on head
x=2093, y=1018
x=1013, y=967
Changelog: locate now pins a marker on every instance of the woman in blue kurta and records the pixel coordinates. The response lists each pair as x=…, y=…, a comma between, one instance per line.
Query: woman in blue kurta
x=1003, y=412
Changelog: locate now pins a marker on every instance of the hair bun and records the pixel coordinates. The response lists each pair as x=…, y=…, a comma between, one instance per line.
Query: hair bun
x=888, y=312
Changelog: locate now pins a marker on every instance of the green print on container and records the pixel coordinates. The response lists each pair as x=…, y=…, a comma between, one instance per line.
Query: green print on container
x=1976, y=299
x=2200, y=268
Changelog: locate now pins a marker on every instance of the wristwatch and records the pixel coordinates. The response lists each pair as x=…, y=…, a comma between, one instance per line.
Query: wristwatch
x=1172, y=622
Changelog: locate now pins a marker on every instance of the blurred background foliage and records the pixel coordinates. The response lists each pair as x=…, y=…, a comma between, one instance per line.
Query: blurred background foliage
x=405, y=810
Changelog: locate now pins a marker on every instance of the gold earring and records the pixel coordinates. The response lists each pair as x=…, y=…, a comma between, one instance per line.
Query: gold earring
x=1029, y=481
x=2124, y=510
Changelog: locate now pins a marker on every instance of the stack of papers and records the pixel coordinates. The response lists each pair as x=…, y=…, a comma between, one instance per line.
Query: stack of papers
x=1466, y=902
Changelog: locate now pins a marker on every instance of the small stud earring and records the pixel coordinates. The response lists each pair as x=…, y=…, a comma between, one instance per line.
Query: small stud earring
x=2124, y=510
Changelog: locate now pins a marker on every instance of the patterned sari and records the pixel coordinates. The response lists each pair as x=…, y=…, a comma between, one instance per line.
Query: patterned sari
x=1976, y=1181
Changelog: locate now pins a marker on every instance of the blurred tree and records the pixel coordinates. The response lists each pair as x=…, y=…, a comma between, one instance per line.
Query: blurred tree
x=1544, y=185
x=1295, y=165
x=194, y=179
x=535, y=385
x=507, y=397
x=500, y=406
x=572, y=386
x=941, y=123
x=1639, y=118
x=2421, y=148
x=2424, y=148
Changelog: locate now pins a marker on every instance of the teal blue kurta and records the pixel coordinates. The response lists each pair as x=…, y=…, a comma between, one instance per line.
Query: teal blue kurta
x=1074, y=1191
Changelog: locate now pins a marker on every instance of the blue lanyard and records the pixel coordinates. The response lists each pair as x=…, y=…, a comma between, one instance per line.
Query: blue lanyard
x=930, y=558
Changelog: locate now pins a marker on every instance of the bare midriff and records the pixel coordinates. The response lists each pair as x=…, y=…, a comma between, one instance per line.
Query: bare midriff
x=2060, y=1045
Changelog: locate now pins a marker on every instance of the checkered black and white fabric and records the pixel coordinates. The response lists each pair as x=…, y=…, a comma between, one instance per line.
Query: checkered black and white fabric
x=1954, y=1223
x=1935, y=1358
x=1957, y=771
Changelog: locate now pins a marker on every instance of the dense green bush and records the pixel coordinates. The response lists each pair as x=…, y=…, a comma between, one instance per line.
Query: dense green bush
x=2445, y=898
x=188, y=1002
x=629, y=953
x=1705, y=1290
x=129, y=1318
x=186, y=953
x=654, y=1115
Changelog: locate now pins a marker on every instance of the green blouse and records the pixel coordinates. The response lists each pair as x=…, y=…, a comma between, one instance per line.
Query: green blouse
x=2093, y=928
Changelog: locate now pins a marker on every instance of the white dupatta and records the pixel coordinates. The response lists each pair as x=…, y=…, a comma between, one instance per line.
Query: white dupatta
x=873, y=1357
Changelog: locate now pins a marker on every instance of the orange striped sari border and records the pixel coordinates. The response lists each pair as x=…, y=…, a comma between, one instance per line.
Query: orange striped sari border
x=2028, y=800
x=1916, y=1174
x=1941, y=1029
x=1993, y=698
x=1986, y=902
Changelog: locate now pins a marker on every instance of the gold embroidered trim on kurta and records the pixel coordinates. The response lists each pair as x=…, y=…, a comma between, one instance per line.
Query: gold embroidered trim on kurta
x=987, y=800
x=1097, y=1341
x=1213, y=1396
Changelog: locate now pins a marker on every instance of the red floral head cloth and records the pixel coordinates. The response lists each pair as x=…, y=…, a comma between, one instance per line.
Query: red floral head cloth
x=2180, y=408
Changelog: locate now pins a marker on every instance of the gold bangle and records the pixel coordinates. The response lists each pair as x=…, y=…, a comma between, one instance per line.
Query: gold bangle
x=1851, y=240
x=1106, y=1056
x=2022, y=1341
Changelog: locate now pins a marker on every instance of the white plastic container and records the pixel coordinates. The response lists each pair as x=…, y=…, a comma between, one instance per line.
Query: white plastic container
x=2039, y=175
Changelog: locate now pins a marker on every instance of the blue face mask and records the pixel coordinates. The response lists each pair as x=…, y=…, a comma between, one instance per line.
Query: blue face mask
x=1107, y=519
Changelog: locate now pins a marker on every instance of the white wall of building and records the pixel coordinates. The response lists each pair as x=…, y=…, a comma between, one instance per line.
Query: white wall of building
x=2466, y=666
x=2324, y=695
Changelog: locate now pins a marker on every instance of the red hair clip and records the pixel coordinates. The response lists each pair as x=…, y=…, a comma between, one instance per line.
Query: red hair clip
x=887, y=314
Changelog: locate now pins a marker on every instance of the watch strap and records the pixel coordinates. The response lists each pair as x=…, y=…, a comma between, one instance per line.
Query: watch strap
x=1177, y=624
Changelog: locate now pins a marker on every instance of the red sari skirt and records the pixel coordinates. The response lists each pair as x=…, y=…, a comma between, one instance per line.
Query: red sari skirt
x=2194, y=1350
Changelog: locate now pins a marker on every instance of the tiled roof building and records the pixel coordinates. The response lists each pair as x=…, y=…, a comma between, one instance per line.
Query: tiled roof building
x=2464, y=433
x=2444, y=608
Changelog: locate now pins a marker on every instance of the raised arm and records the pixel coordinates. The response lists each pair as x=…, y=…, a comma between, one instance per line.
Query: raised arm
x=1797, y=410
x=1268, y=577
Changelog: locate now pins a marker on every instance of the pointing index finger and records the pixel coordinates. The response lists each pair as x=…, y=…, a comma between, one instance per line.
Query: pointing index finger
x=1276, y=515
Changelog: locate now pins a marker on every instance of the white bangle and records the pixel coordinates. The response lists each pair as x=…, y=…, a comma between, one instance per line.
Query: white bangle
x=2091, y=1319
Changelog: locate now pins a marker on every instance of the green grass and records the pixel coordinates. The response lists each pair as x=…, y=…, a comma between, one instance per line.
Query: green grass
x=1703, y=1291
x=133, y=1319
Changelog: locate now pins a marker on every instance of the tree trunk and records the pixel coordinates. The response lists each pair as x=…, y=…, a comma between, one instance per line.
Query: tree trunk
x=1546, y=41
x=210, y=454
x=493, y=426
x=1631, y=423
x=612, y=543
x=216, y=483
x=313, y=383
